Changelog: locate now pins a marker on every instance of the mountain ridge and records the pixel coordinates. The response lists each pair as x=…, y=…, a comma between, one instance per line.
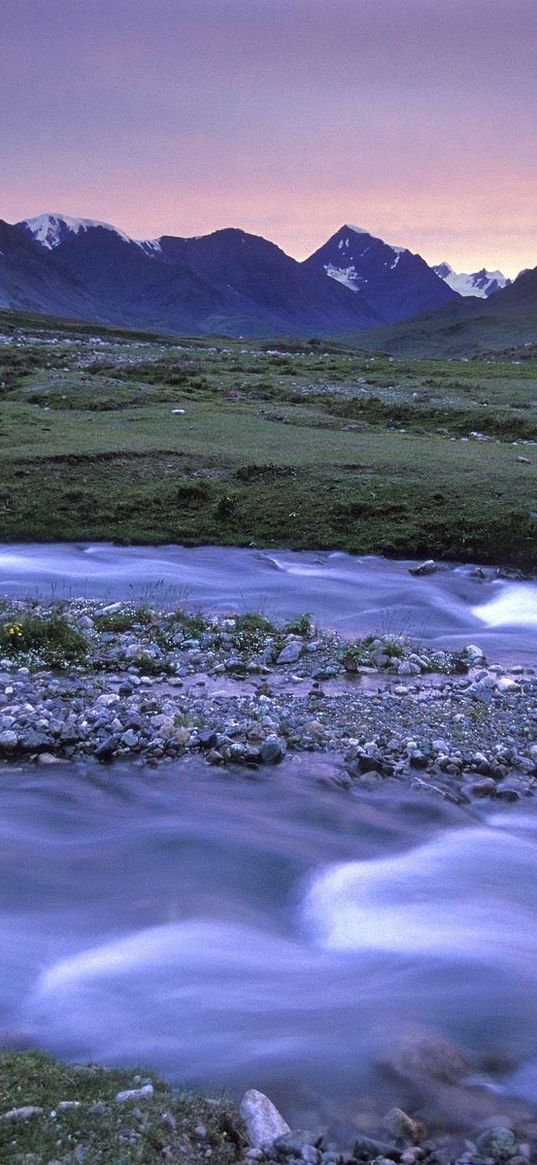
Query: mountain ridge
x=227, y=281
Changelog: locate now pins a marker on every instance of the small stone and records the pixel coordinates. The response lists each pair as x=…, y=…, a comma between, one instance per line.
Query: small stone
x=22, y=1114
x=311, y=1155
x=207, y=738
x=262, y=1120
x=471, y=651
x=401, y=1125
x=272, y=750
x=427, y=567
x=291, y=652
x=105, y=751
x=135, y=1093
x=130, y=738
x=499, y=1144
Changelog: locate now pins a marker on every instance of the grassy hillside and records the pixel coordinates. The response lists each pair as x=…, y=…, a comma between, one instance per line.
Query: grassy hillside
x=304, y=445
x=507, y=322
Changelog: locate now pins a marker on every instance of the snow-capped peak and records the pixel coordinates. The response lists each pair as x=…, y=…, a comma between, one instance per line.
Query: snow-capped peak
x=480, y=284
x=51, y=229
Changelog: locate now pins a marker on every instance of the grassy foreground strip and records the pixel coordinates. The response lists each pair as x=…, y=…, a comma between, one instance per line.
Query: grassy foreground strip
x=70, y=1113
x=304, y=445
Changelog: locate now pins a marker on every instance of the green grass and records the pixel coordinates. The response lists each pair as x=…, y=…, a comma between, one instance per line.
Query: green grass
x=102, y=1130
x=312, y=445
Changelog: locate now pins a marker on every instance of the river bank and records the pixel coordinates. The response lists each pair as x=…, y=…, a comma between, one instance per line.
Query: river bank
x=147, y=685
x=228, y=840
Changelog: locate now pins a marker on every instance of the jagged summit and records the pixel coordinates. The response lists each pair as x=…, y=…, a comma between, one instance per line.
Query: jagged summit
x=480, y=284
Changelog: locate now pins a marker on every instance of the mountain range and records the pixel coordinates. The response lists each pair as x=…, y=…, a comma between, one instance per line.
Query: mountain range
x=229, y=281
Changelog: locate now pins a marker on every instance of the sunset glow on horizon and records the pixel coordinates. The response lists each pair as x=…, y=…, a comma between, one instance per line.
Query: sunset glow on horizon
x=414, y=119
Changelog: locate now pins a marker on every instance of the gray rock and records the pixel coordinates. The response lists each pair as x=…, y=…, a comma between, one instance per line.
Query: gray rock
x=129, y=739
x=135, y=1093
x=264, y=1124
x=427, y=567
x=291, y=652
x=273, y=750
x=472, y=652
x=400, y=1124
x=405, y=668
x=32, y=741
x=22, y=1114
x=311, y=1155
x=366, y=1147
x=499, y=1144
x=8, y=741
x=293, y=1143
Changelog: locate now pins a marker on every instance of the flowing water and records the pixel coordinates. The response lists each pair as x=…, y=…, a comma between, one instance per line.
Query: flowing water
x=259, y=930
x=354, y=595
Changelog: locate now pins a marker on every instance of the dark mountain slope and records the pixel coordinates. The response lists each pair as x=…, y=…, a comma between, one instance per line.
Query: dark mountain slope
x=506, y=321
x=396, y=283
x=32, y=280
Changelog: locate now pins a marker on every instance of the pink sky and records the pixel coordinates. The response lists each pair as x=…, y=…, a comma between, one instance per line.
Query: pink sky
x=415, y=119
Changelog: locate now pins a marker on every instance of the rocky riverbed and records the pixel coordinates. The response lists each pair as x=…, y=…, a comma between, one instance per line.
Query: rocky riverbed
x=61, y=1114
x=86, y=679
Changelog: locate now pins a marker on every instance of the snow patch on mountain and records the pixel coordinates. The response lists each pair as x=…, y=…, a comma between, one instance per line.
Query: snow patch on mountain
x=52, y=229
x=350, y=249
x=348, y=276
x=480, y=284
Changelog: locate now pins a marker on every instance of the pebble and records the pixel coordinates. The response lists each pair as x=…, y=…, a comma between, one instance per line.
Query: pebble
x=129, y=1094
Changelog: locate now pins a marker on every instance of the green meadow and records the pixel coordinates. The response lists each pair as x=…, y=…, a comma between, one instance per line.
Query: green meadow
x=304, y=445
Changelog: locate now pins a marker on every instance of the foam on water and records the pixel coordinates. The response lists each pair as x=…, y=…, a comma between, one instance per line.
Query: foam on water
x=516, y=606
x=446, y=898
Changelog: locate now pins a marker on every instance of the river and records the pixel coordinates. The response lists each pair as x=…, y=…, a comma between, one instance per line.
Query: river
x=354, y=595
x=236, y=929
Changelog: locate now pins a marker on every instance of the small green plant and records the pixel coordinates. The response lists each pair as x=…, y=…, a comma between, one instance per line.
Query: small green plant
x=39, y=641
x=301, y=625
x=356, y=654
x=395, y=647
x=251, y=632
x=116, y=621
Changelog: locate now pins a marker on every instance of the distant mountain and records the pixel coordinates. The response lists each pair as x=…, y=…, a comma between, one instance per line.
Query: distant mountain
x=396, y=283
x=272, y=284
x=481, y=284
x=505, y=323
x=228, y=281
x=32, y=280
x=50, y=230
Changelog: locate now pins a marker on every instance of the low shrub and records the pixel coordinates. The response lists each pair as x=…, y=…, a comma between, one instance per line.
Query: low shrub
x=251, y=632
x=50, y=642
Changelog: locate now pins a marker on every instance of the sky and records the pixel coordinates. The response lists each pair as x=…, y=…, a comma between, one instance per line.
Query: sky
x=414, y=119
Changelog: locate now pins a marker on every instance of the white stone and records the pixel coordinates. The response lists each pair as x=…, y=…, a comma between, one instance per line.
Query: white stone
x=263, y=1121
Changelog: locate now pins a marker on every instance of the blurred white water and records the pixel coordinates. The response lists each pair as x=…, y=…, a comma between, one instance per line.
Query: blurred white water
x=514, y=606
x=264, y=932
